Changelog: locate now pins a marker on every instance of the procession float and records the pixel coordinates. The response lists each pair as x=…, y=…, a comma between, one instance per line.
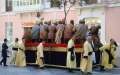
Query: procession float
x=54, y=54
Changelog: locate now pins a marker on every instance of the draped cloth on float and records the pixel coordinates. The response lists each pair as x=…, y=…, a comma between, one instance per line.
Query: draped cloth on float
x=59, y=33
x=35, y=32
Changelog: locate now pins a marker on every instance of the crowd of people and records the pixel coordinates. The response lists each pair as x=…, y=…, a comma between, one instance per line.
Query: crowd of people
x=94, y=52
x=18, y=57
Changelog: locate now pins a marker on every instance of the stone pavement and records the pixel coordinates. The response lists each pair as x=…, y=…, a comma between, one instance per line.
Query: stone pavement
x=10, y=70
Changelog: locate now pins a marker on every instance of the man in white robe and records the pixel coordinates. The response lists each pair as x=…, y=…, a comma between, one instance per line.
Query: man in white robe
x=86, y=61
x=40, y=55
x=20, y=57
x=71, y=57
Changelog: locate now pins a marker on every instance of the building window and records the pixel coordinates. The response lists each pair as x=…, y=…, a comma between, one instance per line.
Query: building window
x=8, y=5
x=34, y=2
x=17, y=3
x=26, y=2
x=89, y=1
x=55, y=3
x=38, y=1
x=30, y=2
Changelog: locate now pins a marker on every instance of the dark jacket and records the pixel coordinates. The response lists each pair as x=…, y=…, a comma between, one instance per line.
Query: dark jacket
x=4, y=50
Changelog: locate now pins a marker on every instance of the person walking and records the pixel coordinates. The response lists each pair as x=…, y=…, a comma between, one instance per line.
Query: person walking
x=4, y=53
x=20, y=57
x=71, y=56
x=86, y=62
x=40, y=55
x=15, y=46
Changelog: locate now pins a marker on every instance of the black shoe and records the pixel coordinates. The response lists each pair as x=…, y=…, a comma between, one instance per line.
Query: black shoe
x=102, y=69
x=83, y=73
x=89, y=73
x=115, y=66
x=5, y=65
x=42, y=67
x=70, y=70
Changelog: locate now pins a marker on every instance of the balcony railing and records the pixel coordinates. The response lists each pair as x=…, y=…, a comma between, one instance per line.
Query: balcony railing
x=110, y=1
x=91, y=2
x=30, y=5
x=38, y=5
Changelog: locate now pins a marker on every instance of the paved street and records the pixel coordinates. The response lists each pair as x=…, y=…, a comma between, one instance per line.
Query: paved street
x=11, y=70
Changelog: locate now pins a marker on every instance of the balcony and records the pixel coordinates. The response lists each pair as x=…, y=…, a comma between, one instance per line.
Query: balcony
x=96, y=2
x=110, y=1
x=30, y=5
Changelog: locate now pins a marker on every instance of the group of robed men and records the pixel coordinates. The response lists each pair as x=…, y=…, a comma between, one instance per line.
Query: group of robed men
x=94, y=53
x=107, y=58
x=18, y=57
